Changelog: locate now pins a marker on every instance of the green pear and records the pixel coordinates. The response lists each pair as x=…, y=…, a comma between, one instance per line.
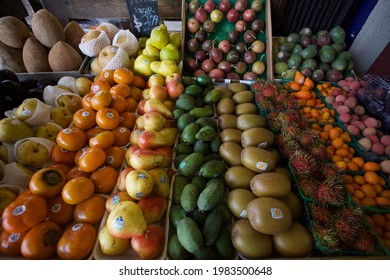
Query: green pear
x=12, y=130
x=159, y=37
x=27, y=109
x=164, y=68
x=175, y=39
x=142, y=65
x=170, y=52
x=151, y=51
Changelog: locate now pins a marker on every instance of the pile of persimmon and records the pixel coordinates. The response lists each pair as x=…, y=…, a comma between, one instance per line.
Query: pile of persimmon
x=94, y=146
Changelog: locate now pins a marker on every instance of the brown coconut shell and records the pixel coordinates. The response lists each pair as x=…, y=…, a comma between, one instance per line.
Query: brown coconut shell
x=63, y=57
x=35, y=56
x=47, y=28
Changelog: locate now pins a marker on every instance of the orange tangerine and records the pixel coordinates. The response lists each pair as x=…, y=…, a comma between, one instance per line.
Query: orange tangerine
x=371, y=166
x=382, y=201
x=359, y=161
x=368, y=201
x=378, y=219
x=368, y=190
x=352, y=166
x=347, y=179
x=371, y=177
x=378, y=188
x=359, y=179
x=359, y=194
x=385, y=193
x=337, y=142
x=356, y=200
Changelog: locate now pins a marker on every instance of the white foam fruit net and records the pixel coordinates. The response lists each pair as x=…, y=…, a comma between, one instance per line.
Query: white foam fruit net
x=126, y=40
x=120, y=60
x=112, y=29
x=93, y=47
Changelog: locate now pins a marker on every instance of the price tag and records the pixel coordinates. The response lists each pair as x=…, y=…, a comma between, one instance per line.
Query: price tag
x=143, y=16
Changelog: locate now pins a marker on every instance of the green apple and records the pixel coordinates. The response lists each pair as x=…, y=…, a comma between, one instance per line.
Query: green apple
x=48, y=130
x=151, y=51
x=6, y=197
x=12, y=130
x=111, y=245
x=83, y=85
x=32, y=154
x=27, y=109
x=142, y=65
x=175, y=39
x=71, y=102
x=61, y=116
x=170, y=52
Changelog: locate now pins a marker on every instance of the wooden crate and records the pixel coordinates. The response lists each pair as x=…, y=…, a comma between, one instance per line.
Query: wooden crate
x=268, y=40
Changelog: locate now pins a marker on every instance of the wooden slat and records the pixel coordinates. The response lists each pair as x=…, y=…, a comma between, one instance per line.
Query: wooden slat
x=77, y=9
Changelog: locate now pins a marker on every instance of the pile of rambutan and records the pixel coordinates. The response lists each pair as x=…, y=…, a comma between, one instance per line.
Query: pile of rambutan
x=342, y=230
x=272, y=96
x=337, y=225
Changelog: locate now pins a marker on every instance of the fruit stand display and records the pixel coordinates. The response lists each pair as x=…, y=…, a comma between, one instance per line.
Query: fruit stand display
x=136, y=157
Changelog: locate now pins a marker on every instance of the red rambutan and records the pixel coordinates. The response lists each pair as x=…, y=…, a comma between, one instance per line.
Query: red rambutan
x=281, y=97
x=346, y=230
x=319, y=152
x=308, y=186
x=302, y=162
x=326, y=238
x=331, y=192
x=269, y=90
x=367, y=243
x=319, y=214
